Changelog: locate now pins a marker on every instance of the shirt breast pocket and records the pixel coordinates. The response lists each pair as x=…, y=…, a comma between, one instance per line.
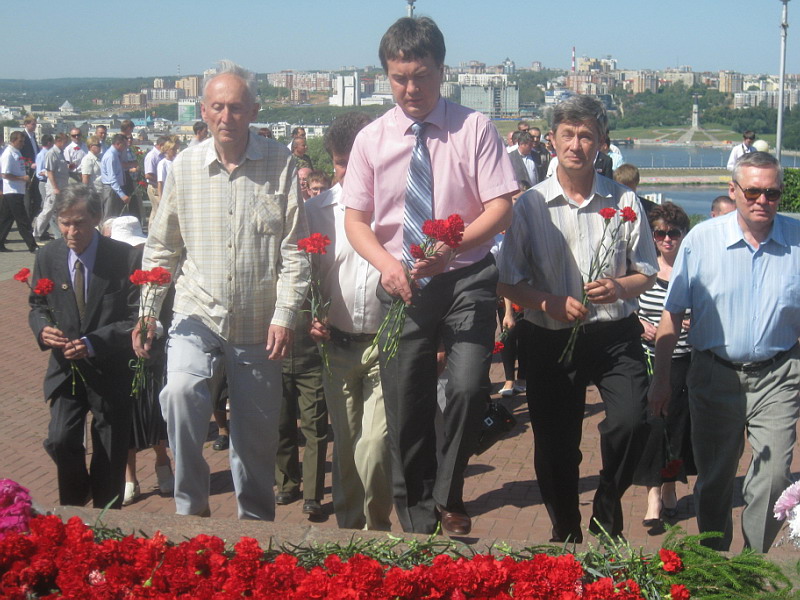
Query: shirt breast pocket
x=267, y=212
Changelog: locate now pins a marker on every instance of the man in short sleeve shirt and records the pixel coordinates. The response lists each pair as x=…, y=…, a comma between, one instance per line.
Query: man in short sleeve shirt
x=471, y=176
x=740, y=276
x=544, y=266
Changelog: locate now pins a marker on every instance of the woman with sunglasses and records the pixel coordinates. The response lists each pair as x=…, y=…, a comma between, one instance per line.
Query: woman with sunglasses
x=669, y=436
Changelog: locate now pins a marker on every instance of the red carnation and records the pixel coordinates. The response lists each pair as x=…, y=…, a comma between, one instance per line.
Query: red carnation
x=454, y=231
x=22, y=275
x=316, y=243
x=159, y=276
x=628, y=214
x=43, y=287
x=516, y=308
x=433, y=228
x=416, y=252
x=672, y=469
x=498, y=347
x=139, y=277
x=672, y=562
x=679, y=592
x=143, y=183
x=608, y=213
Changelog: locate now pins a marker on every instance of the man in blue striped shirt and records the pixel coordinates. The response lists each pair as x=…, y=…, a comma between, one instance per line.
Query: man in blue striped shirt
x=740, y=276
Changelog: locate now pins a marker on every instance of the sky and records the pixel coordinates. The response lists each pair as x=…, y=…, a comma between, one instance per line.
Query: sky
x=110, y=38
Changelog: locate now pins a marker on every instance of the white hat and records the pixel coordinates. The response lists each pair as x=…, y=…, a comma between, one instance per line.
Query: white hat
x=128, y=229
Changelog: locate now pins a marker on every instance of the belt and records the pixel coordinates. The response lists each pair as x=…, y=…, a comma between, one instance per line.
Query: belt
x=750, y=367
x=342, y=338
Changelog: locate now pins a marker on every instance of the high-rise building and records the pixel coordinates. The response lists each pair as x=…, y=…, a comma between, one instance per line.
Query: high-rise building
x=347, y=91
x=190, y=85
x=730, y=82
x=491, y=95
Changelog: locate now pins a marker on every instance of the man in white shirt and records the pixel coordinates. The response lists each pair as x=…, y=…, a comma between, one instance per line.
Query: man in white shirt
x=74, y=153
x=57, y=171
x=362, y=492
x=151, y=161
x=746, y=147
x=15, y=181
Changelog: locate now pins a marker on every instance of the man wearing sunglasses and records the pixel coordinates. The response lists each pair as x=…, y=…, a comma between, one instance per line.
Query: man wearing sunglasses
x=746, y=147
x=740, y=276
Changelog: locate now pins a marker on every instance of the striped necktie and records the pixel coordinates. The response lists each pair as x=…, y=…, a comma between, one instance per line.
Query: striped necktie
x=419, y=196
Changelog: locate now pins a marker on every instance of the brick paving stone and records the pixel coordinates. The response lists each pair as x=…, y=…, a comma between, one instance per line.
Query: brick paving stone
x=500, y=492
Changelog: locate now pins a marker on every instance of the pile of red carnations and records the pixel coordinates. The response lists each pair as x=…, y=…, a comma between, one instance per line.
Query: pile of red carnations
x=64, y=560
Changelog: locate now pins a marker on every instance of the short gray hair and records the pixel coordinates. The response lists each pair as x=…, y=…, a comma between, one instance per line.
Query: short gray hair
x=228, y=67
x=581, y=109
x=78, y=193
x=760, y=160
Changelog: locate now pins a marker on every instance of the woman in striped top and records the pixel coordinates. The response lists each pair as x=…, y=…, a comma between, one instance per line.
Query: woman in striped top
x=669, y=436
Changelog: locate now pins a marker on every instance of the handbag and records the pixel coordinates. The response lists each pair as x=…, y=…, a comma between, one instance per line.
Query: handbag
x=497, y=422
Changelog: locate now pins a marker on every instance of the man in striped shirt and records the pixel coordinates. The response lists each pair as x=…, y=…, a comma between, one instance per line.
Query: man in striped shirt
x=227, y=229
x=544, y=265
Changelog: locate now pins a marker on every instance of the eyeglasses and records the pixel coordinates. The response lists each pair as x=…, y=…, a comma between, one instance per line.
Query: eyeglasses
x=753, y=194
x=661, y=234
x=75, y=134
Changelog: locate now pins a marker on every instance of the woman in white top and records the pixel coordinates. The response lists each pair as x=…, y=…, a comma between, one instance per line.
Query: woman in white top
x=90, y=165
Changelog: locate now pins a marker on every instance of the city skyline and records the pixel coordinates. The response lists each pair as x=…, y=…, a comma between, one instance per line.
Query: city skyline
x=157, y=38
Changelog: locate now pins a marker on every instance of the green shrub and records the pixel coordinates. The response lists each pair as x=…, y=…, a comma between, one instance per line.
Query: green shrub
x=790, y=202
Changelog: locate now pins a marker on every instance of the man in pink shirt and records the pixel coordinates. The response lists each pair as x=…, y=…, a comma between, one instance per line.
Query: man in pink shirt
x=450, y=296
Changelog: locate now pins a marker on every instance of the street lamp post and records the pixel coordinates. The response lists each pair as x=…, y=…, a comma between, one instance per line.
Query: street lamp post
x=411, y=7
x=784, y=29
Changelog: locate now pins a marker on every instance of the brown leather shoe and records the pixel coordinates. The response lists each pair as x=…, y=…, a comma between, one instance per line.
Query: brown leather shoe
x=456, y=523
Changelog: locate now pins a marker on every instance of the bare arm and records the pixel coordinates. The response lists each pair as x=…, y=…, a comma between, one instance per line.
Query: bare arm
x=565, y=309
x=608, y=290
x=666, y=338
x=357, y=225
x=496, y=217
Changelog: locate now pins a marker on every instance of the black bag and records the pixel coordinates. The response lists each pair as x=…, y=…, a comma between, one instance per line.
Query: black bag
x=497, y=422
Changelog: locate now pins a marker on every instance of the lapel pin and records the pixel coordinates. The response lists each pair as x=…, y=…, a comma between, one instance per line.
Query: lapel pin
x=64, y=286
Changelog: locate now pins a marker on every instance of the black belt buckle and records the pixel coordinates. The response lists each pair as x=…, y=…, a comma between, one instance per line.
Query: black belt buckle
x=754, y=367
x=340, y=338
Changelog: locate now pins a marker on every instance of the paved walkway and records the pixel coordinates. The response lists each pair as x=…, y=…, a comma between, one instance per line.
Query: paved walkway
x=501, y=492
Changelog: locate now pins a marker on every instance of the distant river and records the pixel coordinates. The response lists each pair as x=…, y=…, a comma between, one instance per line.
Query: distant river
x=684, y=156
x=695, y=199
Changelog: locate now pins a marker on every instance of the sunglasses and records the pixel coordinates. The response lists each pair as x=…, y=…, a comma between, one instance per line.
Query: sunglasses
x=661, y=234
x=753, y=194
x=75, y=134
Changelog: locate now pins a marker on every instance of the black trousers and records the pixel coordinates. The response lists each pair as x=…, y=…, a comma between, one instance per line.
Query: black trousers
x=457, y=310
x=13, y=210
x=104, y=481
x=610, y=355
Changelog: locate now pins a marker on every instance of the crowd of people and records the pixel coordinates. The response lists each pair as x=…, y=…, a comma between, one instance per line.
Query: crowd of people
x=689, y=336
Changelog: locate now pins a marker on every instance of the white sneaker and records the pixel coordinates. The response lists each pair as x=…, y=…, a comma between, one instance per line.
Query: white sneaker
x=166, y=480
x=132, y=492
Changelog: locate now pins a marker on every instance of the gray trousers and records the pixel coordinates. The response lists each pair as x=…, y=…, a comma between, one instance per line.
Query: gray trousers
x=194, y=353
x=725, y=406
x=457, y=310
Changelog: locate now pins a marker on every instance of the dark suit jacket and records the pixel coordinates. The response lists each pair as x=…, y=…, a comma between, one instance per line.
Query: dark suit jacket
x=520, y=172
x=27, y=148
x=111, y=312
x=604, y=165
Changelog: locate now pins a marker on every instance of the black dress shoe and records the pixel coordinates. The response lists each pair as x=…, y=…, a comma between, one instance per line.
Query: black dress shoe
x=651, y=522
x=313, y=509
x=454, y=522
x=283, y=498
x=221, y=443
